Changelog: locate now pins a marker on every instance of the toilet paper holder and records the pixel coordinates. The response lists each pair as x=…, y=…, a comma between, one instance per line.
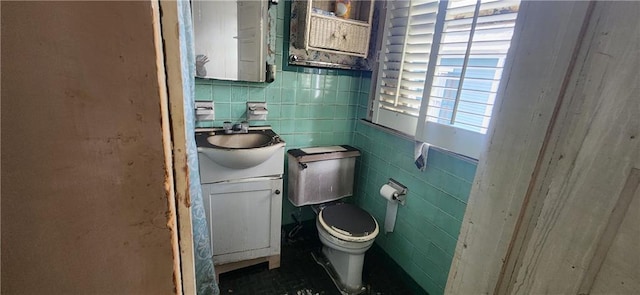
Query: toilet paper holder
x=401, y=191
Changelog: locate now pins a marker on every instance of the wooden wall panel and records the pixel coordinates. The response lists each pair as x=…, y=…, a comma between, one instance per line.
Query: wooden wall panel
x=84, y=205
x=554, y=208
x=544, y=42
x=593, y=149
x=619, y=271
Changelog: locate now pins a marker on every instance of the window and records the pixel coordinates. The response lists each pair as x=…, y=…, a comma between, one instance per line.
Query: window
x=440, y=68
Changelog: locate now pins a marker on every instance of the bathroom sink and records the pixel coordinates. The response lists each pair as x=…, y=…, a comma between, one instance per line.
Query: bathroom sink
x=239, y=150
x=240, y=141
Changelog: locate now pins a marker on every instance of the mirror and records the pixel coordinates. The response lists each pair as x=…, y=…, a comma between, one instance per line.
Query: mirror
x=230, y=39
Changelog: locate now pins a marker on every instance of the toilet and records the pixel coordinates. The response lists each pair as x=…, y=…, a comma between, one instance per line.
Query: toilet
x=321, y=176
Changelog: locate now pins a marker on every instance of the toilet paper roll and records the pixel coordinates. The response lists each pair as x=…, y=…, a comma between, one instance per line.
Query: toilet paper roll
x=387, y=192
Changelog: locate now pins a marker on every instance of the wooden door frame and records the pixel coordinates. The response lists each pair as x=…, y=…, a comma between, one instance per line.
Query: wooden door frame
x=167, y=39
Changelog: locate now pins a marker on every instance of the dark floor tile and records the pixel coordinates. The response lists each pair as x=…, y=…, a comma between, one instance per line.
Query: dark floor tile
x=300, y=274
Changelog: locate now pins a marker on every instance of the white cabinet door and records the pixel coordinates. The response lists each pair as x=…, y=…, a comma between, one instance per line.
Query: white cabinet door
x=244, y=219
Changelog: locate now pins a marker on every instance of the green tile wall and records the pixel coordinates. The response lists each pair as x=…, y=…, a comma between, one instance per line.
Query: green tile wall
x=427, y=227
x=310, y=107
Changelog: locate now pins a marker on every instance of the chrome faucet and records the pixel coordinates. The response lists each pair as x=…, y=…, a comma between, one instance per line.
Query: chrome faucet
x=230, y=128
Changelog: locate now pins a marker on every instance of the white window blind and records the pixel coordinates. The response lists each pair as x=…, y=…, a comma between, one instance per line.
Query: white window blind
x=407, y=43
x=468, y=41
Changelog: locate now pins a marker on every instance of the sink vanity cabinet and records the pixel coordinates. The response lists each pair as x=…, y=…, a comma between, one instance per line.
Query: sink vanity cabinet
x=243, y=205
x=245, y=219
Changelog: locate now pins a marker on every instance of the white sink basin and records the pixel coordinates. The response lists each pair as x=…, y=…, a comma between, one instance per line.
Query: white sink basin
x=241, y=150
x=240, y=141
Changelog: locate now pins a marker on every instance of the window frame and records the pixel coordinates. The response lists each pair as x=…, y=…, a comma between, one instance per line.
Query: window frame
x=449, y=137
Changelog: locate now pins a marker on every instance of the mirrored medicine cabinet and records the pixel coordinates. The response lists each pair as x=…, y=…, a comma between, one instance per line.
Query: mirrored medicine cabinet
x=231, y=39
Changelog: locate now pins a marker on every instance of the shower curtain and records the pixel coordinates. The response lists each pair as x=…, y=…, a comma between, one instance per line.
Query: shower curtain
x=205, y=274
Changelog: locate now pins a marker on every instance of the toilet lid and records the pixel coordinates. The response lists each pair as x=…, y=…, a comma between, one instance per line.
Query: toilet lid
x=348, y=222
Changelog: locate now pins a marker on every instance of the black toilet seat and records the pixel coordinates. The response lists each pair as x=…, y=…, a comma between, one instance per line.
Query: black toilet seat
x=348, y=222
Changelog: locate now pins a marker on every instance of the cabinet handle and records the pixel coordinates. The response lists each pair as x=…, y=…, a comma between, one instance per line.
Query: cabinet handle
x=277, y=192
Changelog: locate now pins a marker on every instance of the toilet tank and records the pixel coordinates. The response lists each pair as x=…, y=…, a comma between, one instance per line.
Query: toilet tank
x=321, y=174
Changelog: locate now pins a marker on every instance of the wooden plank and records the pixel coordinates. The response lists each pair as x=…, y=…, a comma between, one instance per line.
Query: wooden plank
x=175, y=86
x=172, y=221
x=542, y=164
x=544, y=39
x=592, y=150
x=619, y=271
x=611, y=231
x=273, y=262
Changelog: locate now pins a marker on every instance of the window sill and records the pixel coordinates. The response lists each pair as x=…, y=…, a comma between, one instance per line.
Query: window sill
x=388, y=130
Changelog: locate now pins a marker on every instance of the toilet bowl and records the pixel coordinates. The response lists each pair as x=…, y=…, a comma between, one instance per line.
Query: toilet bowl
x=319, y=176
x=346, y=233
